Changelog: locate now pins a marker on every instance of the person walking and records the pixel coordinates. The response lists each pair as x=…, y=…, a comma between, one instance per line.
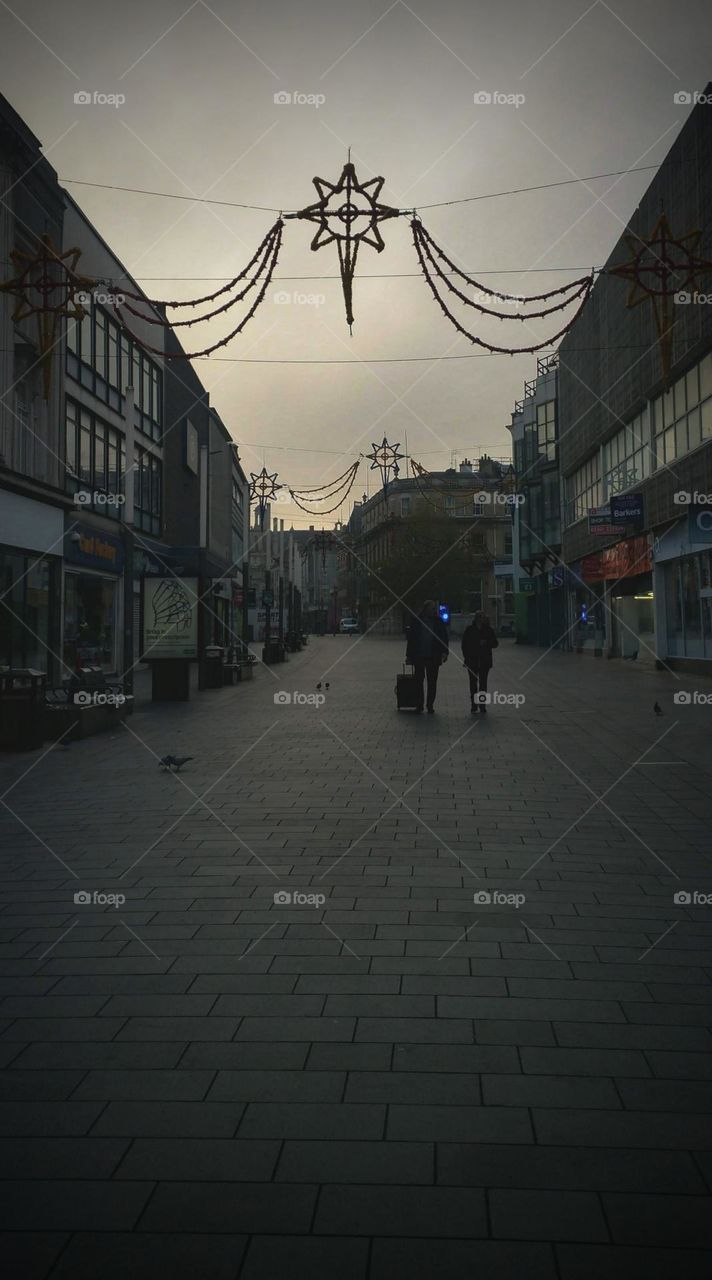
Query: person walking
x=427, y=649
x=478, y=641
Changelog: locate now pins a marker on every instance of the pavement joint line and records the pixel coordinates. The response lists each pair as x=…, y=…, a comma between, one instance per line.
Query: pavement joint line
x=139, y=939
x=657, y=940
x=340, y=939
x=541, y=940
x=458, y=940
x=52, y=945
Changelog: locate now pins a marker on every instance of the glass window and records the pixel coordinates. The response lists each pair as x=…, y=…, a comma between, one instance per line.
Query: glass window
x=706, y=416
x=706, y=376
x=125, y=363
x=90, y=632
x=679, y=398
x=100, y=456
x=691, y=608
x=85, y=472
x=71, y=440
x=113, y=367
x=27, y=588
x=694, y=429
x=668, y=412
x=73, y=336
x=85, y=336
x=692, y=381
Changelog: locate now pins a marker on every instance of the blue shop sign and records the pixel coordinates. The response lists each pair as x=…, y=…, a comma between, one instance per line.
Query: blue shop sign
x=699, y=527
x=628, y=508
x=91, y=548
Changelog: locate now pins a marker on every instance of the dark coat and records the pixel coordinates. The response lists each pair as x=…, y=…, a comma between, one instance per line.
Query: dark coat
x=427, y=638
x=477, y=646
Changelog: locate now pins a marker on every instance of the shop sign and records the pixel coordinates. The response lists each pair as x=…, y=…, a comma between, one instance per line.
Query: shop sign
x=527, y=585
x=87, y=546
x=624, y=560
x=267, y=597
x=628, y=508
x=238, y=596
x=601, y=522
x=170, y=618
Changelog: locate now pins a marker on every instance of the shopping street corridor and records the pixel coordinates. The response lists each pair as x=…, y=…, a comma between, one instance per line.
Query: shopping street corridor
x=364, y=994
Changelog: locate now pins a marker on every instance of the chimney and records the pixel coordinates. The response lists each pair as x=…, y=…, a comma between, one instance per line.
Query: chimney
x=275, y=523
x=281, y=526
x=466, y=467
x=311, y=528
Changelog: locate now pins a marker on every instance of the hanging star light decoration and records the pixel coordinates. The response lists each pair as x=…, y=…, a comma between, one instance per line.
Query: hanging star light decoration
x=47, y=285
x=263, y=488
x=662, y=269
x=384, y=458
x=348, y=212
x=323, y=542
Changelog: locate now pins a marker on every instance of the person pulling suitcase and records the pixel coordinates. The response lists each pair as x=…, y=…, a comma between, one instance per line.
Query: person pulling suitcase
x=427, y=649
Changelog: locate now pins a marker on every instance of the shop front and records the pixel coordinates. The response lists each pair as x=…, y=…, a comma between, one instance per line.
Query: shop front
x=30, y=573
x=93, y=599
x=683, y=590
x=613, y=606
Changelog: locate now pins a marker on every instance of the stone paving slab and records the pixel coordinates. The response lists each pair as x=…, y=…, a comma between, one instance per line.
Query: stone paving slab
x=317, y=1037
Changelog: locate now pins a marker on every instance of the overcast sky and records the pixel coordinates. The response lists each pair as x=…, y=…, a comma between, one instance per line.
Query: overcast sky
x=200, y=118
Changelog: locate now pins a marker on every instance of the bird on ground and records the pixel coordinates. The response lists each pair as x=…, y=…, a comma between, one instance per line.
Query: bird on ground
x=319, y=685
x=173, y=763
x=657, y=709
x=326, y=686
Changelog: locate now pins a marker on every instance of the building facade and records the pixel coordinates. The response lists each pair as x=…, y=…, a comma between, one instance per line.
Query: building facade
x=114, y=467
x=540, y=594
x=33, y=500
x=631, y=436
x=470, y=509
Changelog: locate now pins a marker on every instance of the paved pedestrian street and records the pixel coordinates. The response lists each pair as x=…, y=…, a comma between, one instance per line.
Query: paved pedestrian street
x=389, y=996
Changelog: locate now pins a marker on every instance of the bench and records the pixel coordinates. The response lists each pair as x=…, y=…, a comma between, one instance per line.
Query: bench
x=87, y=704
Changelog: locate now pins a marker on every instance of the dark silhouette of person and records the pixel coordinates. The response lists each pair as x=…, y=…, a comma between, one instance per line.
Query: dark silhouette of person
x=427, y=649
x=478, y=641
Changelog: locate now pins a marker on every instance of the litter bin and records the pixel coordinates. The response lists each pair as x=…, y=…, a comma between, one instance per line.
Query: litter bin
x=213, y=666
x=22, y=696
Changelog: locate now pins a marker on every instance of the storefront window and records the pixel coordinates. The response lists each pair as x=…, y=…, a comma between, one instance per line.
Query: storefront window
x=25, y=611
x=691, y=608
x=90, y=621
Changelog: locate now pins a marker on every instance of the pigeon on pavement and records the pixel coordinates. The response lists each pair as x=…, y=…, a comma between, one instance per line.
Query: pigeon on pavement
x=657, y=709
x=172, y=763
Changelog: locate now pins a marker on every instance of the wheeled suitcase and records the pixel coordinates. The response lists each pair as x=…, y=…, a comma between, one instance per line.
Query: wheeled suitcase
x=407, y=692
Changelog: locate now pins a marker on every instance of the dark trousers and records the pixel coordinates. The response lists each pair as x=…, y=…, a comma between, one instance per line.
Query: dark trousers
x=427, y=667
x=478, y=680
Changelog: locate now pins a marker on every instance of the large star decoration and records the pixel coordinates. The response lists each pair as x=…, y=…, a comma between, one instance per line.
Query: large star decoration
x=661, y=268
x=47, y=285
x=348, y=212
